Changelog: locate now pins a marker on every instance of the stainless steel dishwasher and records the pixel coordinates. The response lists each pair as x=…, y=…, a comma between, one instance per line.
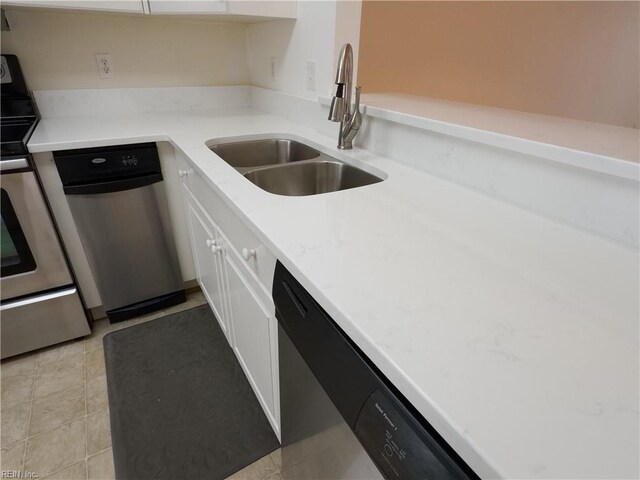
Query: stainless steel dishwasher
x=117, y=200
x=340, y=417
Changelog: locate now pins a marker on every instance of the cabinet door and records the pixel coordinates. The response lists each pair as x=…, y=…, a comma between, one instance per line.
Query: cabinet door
x=189, y=7
x=204, y=244
x=173, y=163
x=254, y=340
x=130, y=6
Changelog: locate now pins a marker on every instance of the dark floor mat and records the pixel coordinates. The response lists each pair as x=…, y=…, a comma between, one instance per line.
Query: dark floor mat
x=180, y=405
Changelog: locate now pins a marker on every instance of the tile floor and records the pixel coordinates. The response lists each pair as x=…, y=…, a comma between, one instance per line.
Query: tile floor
x=54, y=413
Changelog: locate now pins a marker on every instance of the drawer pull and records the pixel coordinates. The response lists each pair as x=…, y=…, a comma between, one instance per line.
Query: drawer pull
x=183, y=173
x=248, y=253
x=211, y=243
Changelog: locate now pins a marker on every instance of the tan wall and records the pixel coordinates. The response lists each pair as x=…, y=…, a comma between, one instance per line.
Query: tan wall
x=56, y=50
x=570, y=59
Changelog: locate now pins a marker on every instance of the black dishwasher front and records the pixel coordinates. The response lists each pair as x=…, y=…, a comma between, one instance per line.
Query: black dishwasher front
x=397, y=440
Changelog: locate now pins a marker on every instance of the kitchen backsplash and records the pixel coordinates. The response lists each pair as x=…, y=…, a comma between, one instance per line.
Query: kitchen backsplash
x=146, y=51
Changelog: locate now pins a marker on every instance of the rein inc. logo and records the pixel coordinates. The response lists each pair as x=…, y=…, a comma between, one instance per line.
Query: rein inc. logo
x=17, y=474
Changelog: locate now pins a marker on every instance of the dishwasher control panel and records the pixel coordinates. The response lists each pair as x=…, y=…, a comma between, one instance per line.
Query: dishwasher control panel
x=399, y=447
x=104, y=164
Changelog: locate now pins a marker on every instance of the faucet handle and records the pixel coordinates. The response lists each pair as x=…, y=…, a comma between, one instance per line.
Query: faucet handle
x=357, y=104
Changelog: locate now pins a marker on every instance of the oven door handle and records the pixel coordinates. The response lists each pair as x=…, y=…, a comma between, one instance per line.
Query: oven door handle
x=14, y=164
x=37, y=299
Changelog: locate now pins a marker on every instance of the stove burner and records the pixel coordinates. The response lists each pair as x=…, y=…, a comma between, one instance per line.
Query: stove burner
x=5, y=71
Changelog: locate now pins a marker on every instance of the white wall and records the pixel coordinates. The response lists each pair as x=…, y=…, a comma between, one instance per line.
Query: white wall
x=56, y=50
x=317, y=35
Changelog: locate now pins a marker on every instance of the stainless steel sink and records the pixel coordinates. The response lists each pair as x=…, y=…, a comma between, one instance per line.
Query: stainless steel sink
x=288, y=167
x=257, y=153
x=310, y=178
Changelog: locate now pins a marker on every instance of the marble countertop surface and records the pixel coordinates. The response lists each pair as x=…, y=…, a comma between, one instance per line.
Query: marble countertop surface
x=515, y=336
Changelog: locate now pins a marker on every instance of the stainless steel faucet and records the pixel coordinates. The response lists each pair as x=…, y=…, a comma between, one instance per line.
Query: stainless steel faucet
x=341, y=108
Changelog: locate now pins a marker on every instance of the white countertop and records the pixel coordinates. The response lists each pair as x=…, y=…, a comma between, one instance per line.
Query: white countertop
x=516, y=337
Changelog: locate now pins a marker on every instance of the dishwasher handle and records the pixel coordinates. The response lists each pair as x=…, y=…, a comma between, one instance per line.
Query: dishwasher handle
x=113, y=186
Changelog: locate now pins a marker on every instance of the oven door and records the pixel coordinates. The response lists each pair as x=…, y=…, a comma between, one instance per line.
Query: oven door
x=32, y=259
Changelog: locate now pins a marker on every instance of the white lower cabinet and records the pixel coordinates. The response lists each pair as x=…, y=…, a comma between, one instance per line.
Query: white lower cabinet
x=236, y=294
x=252, y=335
x=209, y=269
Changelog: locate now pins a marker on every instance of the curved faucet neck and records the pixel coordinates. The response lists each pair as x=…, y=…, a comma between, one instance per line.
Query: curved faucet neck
x=341, y=109
x=344, y=75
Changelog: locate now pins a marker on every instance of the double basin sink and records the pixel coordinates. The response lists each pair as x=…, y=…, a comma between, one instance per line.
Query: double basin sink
x=288, y=167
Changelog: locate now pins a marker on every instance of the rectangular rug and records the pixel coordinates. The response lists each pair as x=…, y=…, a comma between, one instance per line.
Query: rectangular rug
x=180, y=404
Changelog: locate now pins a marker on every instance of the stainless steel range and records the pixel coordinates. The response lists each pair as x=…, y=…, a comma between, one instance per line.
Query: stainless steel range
x=39, y=301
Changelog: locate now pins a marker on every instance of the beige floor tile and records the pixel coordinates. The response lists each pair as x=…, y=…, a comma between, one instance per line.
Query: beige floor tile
x=11, y=457
x=98, y=432
x=77, y=471
x=56, y=409
x=194, y=299
x=97, y=398
x=100, y=466
x=16, y=390
x=95, y=363
x=276, y=456
x=56, y=449
x=20, y=365
x=59, y=375
x=259, y=470
x=138, y=320
x=14, y=424
x=277, y=476
x=98, y=330
x=60, y=351
x=197, y=296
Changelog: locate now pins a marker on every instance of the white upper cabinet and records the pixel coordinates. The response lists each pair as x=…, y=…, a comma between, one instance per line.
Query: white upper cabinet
x=125, y=6
x=242, y=10
x=187, y=7
x=265, y=9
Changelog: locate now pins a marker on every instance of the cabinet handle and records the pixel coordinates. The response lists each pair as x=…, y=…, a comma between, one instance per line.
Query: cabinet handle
x=211, y=243
x=248, y=253
x=183, y=173
x=216, y=249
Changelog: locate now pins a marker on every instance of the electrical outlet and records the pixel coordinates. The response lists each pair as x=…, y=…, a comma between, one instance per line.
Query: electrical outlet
x=311, y=75
x=105, y=65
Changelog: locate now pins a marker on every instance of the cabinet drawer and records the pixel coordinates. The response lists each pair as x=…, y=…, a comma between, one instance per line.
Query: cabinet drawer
x=261, y=263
